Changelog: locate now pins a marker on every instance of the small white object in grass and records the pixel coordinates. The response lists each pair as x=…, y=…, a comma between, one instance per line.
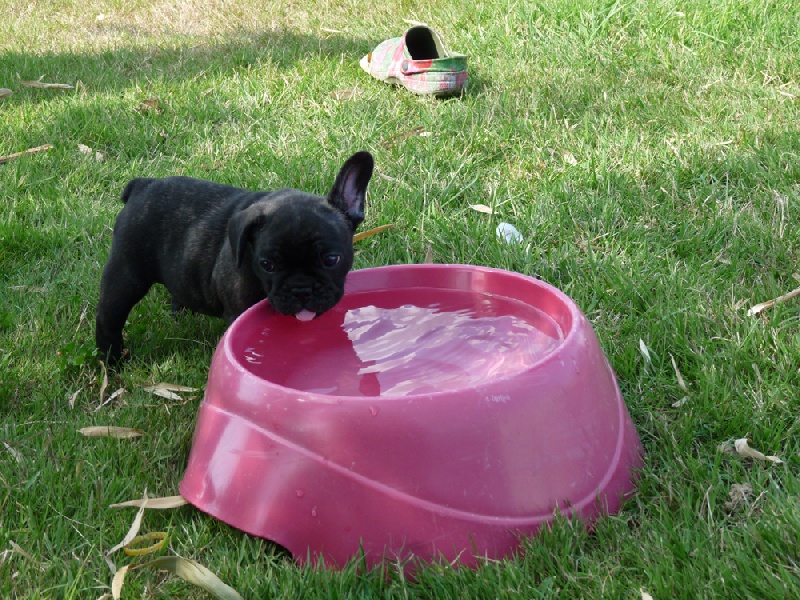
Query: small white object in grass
x=744, y=449
x=509, y=233
x=305, y=315
x=643, y=349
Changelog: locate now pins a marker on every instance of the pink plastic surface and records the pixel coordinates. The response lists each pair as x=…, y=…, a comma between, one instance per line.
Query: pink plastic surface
x=348, y=434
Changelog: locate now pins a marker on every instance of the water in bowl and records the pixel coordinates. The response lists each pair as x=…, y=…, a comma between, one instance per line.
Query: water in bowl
x=427, y=341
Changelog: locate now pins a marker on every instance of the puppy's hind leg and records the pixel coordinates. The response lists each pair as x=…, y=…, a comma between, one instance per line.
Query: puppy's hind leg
x=120, y=290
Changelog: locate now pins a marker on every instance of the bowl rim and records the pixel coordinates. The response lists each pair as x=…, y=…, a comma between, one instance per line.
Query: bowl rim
x=308, y=396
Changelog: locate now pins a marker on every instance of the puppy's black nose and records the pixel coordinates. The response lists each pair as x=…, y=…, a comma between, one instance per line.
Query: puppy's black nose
x=301, y=293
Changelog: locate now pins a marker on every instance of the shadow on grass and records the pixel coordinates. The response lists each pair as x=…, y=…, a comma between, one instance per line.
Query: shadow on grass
x=137, y=65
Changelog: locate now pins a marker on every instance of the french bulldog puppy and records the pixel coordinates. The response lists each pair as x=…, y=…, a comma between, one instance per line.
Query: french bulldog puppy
x=220, y=249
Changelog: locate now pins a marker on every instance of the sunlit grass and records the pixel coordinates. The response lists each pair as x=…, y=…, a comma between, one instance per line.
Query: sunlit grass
x=647, y=152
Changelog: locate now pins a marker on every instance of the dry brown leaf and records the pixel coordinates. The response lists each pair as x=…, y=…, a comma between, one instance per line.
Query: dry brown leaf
x=743, y=449
x=770, y=303
x=4, y=159
x=370, y=232
x=16, y=548
x=347, y=94
x=168, y=390
x=104, y=383
x=46, y=86
x=643, y=349
x=132, y=532
x=72, y=397
x=154, y=503
x=16, y=454
x=5, y=92
x=188, y=570
x=28, y=288
x=151, y=104
x=167, y=394
x=111, y=398
x=395, y=181
x=119, y=581
x=482, y=208
x=171, y=387
x=681, y=402
x=396, y=139
x=681, y=382
x=119, y=433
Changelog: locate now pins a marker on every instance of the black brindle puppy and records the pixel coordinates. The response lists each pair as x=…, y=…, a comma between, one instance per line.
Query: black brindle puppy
x=220, y=249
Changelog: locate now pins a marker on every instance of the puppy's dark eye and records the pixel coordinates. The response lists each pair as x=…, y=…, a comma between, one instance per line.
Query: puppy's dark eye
x=331, y=260
x=267, y=265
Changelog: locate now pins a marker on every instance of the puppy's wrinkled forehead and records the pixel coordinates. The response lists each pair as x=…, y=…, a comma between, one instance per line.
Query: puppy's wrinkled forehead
x=298, y=224
x=305, y=215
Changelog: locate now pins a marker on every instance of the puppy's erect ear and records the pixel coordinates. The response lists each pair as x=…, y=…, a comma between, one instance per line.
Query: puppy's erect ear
x=240, y=231
x=350, y=189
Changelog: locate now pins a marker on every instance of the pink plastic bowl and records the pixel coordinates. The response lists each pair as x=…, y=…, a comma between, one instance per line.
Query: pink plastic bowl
x=438, y=412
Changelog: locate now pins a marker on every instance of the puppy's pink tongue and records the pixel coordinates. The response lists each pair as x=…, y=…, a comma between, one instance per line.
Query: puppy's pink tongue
x=305, y=315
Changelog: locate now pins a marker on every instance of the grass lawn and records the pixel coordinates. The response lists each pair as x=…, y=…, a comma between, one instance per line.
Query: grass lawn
x=646, y=150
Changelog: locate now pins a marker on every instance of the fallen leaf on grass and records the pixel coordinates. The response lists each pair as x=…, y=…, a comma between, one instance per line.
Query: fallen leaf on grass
x=370, y=232
x=168, y=390
x=172, y=387
x=188, y=570
x=395, y=181
x=643, y=349
x=482, y=208
x=16, y=548
x=119, y=433
x=395, y=139
x=132, y=533
x=28, y=288
x=645, y=595
x=681, y=402
x=13, y=452
x=4, y=159
x=770, y=303
x=681, y=382
x=111, y=398
x=155, y=503
x=5, y=92
x=46, y=86
x=151, y=104
x=104, y=383
x=743, y=449
x=347, y=94
x=72, y=397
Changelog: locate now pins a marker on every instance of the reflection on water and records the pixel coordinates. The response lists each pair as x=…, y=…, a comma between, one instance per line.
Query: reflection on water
x=411, y=349
x=401, y=350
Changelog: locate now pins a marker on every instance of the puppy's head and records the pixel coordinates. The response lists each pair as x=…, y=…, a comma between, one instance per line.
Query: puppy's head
x=299, y=245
